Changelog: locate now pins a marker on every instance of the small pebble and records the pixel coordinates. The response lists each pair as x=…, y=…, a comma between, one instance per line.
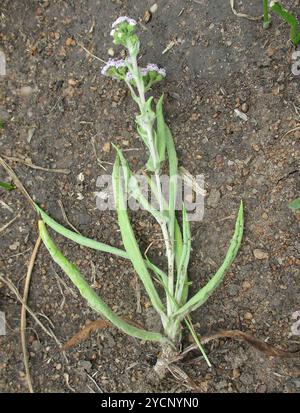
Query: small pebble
x=260, y=255
x=246, y=285
x=248, y=316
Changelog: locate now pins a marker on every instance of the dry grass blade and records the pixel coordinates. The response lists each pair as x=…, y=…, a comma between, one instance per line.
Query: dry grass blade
x=66, y=217
x=183, y=378
x=14, y=289
x=265, y=348
x=10, y=222
x=291, y=131
x=40, y=168
x=16, y=181
x=23, y=313
x=90, y=53
x=245, y=16
x=85, y=333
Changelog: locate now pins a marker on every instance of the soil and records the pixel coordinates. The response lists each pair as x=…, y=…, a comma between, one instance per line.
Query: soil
x=55, y=102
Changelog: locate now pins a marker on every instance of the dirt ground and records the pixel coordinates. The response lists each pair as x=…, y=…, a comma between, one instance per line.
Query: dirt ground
x=55, y=103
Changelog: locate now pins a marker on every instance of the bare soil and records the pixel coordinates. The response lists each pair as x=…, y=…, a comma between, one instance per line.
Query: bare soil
x=55, y=102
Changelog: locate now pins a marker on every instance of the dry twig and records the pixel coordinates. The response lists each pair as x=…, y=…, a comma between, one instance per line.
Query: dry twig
x=40, y=168
x=16, y=181
x=66, y=217
x=245, y=16
x=23, y=313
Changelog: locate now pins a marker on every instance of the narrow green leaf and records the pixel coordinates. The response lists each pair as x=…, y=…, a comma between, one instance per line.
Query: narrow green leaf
x=295, y=204
x=161, y=130
x=6, y=186
x=200, y=298
x=93, y=300
x=130, y=243
x=79, y=239
x=292, y=20
x=134, y=189
x=182, y=279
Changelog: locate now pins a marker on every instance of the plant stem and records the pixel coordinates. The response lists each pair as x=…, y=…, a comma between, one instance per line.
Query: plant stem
x=266, y=23
x=148, y=128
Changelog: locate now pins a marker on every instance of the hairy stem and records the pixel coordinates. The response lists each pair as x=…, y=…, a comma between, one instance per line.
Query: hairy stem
x=148, y=128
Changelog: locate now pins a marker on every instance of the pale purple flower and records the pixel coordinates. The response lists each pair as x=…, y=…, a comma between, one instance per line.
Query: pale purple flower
x=123, y=19
x=155, y=68
x=113, y=63
x=145, y=70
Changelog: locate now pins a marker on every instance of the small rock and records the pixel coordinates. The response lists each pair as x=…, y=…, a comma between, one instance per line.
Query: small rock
x=241, y=115
x=236, y=373
x=246, y=285
x=70, y=42
x=153, y=8
x=111, y=52
x=260, y=255
x=25, y=91
x=248, y=316
x=72, y=82
x=245, y=107
x=14, y=246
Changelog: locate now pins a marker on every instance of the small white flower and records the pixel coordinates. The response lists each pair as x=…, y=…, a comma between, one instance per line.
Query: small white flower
x=153, y=67
x=123, y=19
x=112, y=63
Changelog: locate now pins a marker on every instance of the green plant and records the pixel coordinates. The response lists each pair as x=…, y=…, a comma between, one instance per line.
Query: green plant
x=175, y=308
x=295, y=205
x=266, y=17
x=288, y=17
x=6, y=186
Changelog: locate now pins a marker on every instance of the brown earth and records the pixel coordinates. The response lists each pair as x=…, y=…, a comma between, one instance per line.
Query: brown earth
x=218, y=63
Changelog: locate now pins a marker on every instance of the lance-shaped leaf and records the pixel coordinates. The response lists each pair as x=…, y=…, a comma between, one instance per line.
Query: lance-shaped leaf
x=84, y=241
x=200, y=298
x=134, y=189
x=182, y=280
x=93, y=300
x=289, y=18
x=79, y=239
x=6, y=186
x=295, y=205
x=130, y=243
x=161, y=130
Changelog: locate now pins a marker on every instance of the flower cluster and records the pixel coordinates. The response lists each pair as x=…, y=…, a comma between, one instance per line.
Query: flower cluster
x=123, y=30
x=151, y=74
x=115, y=68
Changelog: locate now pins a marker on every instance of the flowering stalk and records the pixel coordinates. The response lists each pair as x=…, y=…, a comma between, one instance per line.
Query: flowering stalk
x=157, y=137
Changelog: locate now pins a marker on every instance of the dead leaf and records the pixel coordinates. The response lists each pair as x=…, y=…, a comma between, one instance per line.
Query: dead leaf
x=260, y=345
x=85, y=333
x=106, y=147
x=147, y=16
